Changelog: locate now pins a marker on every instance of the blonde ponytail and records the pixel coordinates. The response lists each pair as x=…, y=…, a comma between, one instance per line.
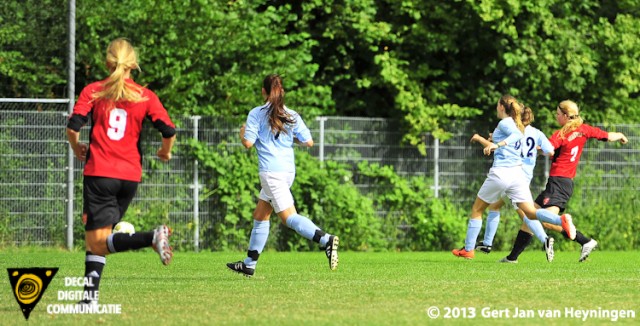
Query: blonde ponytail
x=121, y=57
x=571, y=110
x=527, y=116
x=514, y=109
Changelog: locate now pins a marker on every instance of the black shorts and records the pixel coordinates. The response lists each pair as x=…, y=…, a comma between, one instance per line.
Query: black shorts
x=106, y=200
x=557, y=193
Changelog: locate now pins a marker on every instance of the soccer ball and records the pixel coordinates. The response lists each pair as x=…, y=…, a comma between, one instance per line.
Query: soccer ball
x=124, y=227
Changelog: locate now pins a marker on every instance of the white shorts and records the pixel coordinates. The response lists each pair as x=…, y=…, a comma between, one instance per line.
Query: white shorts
x=514, y=204
x=275, y=189
x=506, y=181
x=506, y=200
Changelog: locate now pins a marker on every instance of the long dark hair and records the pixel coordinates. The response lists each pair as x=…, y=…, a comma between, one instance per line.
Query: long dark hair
x=278, y=117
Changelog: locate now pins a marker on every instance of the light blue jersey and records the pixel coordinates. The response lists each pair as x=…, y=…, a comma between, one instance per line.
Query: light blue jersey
x=533, y=138
x=509, y=155
x=275, y=151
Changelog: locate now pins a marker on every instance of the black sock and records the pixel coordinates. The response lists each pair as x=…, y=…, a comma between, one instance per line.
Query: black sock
x=253, y=254
x=522, y=241
x=118, y=242
x=318, y=235
x=93, y=265
x=580, y=238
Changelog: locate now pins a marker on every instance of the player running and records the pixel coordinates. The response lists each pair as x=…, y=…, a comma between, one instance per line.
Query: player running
x=533, y=140
x=273, y=128
x=568, y=142
x=506, y=176
x=117, y=106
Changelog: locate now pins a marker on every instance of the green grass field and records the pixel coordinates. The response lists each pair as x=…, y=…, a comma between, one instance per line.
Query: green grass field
x=367, y=289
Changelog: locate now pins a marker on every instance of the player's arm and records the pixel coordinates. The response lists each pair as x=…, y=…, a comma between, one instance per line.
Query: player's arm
x=541, y=151
x=544, y=145
x=164, y=153
x=302, y=134
x=168, y=131
x=514, y=135
x=480, y=140
x=79, y=149
x=308, y=143
x=249, y=132
x=162, y=122
x=77, y=120
x=617, y=136
x=245, y=142
x=555, y=140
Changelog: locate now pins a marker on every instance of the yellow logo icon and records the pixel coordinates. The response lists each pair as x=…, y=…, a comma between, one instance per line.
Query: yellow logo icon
x=28, y=286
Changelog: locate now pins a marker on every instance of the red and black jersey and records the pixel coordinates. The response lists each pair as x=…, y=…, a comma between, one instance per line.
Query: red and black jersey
x=115, y=131
x=569, y=149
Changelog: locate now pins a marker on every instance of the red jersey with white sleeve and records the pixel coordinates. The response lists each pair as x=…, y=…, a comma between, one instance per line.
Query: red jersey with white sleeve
x=114, y=150
x=569, y=149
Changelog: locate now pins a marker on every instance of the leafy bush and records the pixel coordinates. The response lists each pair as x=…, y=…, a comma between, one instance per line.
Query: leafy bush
x=231, y=181
x=413, y=220
x=611, y=220
x=326, y=192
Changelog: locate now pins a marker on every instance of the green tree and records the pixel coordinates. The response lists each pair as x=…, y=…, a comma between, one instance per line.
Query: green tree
x=33, y=51
x=205, y=57
x=427, y=63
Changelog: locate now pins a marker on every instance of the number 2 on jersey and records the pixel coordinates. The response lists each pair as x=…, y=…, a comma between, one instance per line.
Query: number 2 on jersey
x=531, y=144
x=117, y=124
x=528, y=151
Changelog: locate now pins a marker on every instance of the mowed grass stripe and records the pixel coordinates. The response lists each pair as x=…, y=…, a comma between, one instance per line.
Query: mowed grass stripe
x=298, y=288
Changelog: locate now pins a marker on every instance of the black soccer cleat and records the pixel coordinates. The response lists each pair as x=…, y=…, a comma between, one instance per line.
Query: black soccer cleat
x=240, y=268
x=482, y=247
x=507, y=260
x=332, y=251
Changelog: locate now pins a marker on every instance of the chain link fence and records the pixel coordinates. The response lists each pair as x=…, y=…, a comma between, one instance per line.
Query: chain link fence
x=35, y=183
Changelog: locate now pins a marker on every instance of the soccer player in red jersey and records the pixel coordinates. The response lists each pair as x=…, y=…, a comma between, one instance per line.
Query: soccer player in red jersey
x=117, y=106
x=568, y=142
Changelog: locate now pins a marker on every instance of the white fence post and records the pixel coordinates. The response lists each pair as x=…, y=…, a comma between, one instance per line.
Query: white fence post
x=71, y=82
x=196, y=192
x=321, y=140
x=436, y=171
x=70, y=192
